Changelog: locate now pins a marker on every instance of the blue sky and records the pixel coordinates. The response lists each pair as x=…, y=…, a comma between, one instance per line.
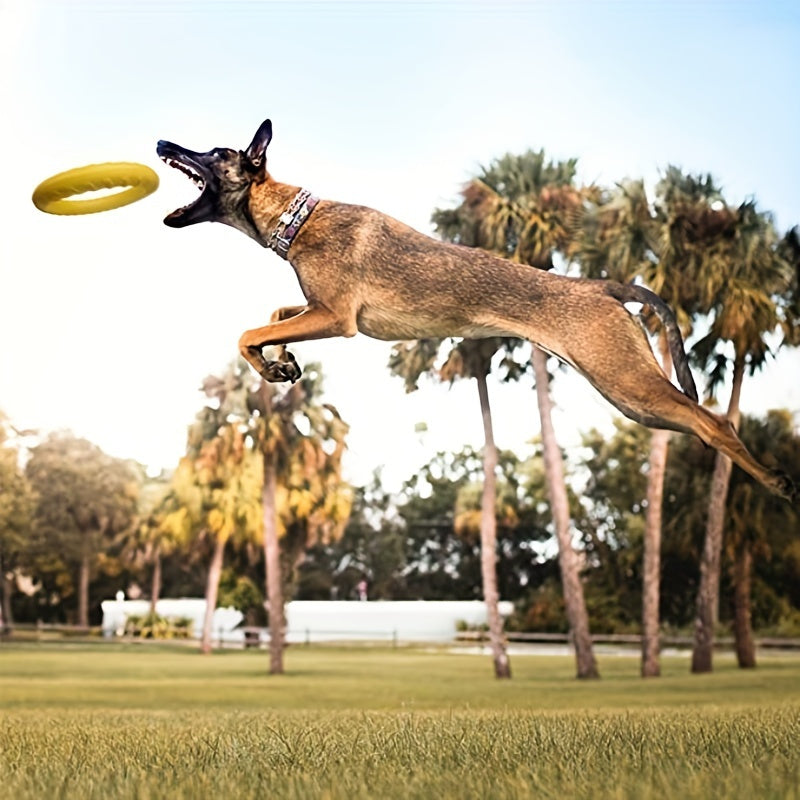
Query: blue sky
x=109, y=322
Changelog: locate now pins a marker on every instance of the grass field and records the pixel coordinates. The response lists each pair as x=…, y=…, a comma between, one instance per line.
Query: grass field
x=80, y=721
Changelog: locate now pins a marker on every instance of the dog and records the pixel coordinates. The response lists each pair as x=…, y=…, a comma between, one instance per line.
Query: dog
x=362, y=271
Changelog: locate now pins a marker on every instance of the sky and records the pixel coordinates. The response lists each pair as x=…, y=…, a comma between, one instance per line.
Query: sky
x=110, y=321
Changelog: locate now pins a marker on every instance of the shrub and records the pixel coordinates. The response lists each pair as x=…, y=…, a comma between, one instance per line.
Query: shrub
x=152, y=626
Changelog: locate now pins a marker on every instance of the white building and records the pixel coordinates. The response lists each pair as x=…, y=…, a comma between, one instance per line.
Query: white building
x=116, y=613
x=324, y=620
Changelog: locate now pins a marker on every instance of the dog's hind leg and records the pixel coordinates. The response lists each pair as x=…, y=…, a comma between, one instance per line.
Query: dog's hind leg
x=613, y=353
x=645, y=395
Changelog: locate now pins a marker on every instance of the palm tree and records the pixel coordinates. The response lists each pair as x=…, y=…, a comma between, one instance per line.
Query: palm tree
x=757, y=522
x=304, y=500
x=217, y=484
x=470, y=358
x=750, y=275
x=300, y=496
x=617, y=241
x=526, y=208
x=163, y=527
x=473, y=358
x=271, y=440
x=623, y=237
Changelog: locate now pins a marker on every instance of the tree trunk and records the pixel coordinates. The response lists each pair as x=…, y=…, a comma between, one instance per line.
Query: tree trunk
x=502, y=665
x=743, y=625
x=272, y=558
x=212, y=588
x=155, y=587
x=651, y=567
x=708, y=590
x=559, y=504
x=83, y=592
x=6, y=620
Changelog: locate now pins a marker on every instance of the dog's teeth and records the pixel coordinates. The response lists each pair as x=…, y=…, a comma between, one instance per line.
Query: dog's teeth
x=186, y=170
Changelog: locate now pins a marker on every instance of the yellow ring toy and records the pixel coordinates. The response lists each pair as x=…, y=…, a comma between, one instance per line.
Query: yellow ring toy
x=50, y=195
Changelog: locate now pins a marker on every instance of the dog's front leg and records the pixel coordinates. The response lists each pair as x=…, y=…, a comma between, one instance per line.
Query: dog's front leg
x=285, y=363
x=289, y=324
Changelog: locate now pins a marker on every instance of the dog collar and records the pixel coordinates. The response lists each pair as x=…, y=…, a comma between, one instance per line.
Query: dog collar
x=290, y=222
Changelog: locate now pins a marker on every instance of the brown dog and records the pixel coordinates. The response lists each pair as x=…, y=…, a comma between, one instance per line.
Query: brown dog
x=363, y=271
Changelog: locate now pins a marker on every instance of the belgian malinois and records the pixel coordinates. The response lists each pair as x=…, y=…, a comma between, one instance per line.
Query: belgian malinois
x=361, y=270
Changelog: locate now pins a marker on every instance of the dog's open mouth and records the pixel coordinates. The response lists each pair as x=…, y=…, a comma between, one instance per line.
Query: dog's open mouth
x=189, y=164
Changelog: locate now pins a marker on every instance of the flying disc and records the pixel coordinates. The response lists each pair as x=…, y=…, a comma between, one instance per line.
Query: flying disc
x=50, y=195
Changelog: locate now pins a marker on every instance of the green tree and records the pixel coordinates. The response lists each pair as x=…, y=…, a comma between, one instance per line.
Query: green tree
x=372, y=548
x=613, y=525
x=85, y=502
x=756, y=522
x=441, y=510
x=243, y=594
x=16, y=506
x=439, y=564
x=612, y=522
x=761, y=531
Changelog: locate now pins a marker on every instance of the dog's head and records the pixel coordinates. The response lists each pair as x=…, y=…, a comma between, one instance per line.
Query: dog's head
x=224, y=177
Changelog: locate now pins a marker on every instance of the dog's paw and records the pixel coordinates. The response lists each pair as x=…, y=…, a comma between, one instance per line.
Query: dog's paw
x=784, y=486
x=291, y=367
x=281, y=371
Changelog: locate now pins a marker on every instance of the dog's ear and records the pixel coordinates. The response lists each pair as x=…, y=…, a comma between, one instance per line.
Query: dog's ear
x=257, y=151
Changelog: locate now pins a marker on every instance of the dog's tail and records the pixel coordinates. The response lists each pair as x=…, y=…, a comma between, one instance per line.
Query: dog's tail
x=630, y=293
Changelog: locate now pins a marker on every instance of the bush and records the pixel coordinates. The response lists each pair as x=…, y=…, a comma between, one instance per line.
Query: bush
x=787, y=625
x=239, y=592
x=542, y=611
x=152, y=626
x=462, y=626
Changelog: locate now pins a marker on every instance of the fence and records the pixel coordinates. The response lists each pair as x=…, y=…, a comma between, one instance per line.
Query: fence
x=630, y=639
x=251, y=637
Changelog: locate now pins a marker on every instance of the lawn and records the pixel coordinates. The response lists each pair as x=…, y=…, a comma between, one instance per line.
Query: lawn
x=80, y=721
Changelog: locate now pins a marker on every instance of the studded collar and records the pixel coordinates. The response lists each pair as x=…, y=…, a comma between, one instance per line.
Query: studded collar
x=290, y=222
